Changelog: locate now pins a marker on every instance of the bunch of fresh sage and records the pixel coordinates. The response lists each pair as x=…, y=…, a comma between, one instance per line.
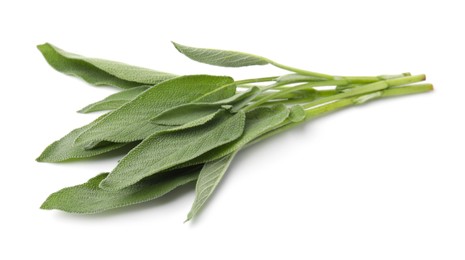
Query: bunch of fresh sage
x=183, y=129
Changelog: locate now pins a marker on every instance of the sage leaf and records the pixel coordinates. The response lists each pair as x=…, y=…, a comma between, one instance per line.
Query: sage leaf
x=100, y=72
x=258, y=121
x=221, y=57
x=65, y=149
x=184, y=113
x=164, y=150
x=131, y=122
x=209, y=178
x=88, y=198
x=114, y=101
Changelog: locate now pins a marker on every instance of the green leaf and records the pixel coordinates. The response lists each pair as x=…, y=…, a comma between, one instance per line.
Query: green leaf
x=65, y=149
x=185, y=113
x=221, y=57
x=258, y=121
x=209, y=178
x=297, y=113
x=88, y=198
x=114, y=101
x=131, y=122
x=164, y=150
x=100, y=72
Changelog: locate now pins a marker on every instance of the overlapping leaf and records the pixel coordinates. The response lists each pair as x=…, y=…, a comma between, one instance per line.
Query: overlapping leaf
x=184, y=113
x=221, y=57
x=88, y=198
x=101, y=72
x=258, y=122
x=131, y=121
x=209, y=178
x=65, y=149
x=165, y=150
x=114, y=101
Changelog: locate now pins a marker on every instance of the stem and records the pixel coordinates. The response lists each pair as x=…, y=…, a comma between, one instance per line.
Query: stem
x=339, y=104
x=291, y=89
x=373, y=87
x=365, y=80
x=291, y=98
x=247, y=81
x=302, y=72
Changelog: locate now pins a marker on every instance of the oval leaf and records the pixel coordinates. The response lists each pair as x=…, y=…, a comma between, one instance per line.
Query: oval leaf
x=209, y=178
x=131, y=122
x=114, y=101
x=221, y=57
x=258, y=121
x=88, y=198
x=100, y=72
x=185, y=113
x=65, y=149
x=164, y=150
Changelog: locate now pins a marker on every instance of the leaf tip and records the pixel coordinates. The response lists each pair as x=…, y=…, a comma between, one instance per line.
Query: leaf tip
x=108, y=185
x=189, y=217
x=42, y=157
x=48, y=203
x=84, y=110
x=177, y=46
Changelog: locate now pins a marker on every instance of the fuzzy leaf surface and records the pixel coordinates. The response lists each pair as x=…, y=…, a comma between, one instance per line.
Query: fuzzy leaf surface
x=185, y=113
x=88, y=198
x=209, y=178
x=131, y=122
x=164, y=150
x=114, y=101
x=221, y=57
x=65, y=149
x=258, y=121
x=100, y=72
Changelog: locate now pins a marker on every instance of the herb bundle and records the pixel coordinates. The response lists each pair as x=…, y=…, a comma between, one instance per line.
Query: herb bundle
x=185, y=129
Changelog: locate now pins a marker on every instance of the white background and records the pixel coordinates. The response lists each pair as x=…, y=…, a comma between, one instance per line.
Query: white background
x=380, y=181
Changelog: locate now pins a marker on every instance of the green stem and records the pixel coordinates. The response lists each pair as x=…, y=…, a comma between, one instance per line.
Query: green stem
x=296, y=98
x=373, y=87
x=342, y=103
x=256, y=80
x=365, y=80
x=292, y=89
x=302, y=72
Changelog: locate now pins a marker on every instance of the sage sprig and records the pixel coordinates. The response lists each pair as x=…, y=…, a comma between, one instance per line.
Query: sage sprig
x=183, y=129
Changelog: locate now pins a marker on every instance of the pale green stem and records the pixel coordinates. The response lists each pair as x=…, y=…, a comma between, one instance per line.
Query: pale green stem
x=256, y=80
x=291, y=89
x=342, y=103
x=302, y=72
x=373, y=87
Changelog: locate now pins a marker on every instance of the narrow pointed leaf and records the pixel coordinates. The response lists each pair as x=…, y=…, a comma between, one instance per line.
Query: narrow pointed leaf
x=221, y=57
x=114, y=101
x=131, y=121
x=184, y=113
x=258, y=122
x=100, y=72
x=65, y=149
x=164, y=150
x=88, y=198
x=209, y=178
